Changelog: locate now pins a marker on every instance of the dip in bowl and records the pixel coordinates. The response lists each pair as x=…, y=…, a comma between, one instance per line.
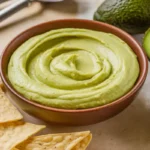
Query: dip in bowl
x=73, y=71
x=73, y=68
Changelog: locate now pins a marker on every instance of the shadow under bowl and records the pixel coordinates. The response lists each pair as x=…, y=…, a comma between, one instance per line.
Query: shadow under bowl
x=73, y=117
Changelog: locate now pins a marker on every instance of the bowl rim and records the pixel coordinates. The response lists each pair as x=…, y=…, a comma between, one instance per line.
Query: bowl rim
x=130, y=93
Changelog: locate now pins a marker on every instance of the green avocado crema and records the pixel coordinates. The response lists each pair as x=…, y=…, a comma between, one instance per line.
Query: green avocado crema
x=73, y=68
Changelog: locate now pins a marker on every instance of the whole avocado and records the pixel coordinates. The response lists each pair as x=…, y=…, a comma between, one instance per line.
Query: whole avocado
x=133, y=16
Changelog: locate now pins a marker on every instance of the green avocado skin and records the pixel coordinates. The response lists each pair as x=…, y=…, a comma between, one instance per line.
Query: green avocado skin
x=146, y=43
x=133, y=16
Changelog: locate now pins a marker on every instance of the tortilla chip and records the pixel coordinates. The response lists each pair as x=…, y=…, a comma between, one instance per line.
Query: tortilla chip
x=8, y=112
x=12, y=134
x=63, y=141
x=84, y=143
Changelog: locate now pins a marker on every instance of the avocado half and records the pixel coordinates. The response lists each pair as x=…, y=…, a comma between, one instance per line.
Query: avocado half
x=146, y=43
x=133, y=16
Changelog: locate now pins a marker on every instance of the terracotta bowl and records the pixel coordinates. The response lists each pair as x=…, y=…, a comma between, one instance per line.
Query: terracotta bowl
x=73, y=117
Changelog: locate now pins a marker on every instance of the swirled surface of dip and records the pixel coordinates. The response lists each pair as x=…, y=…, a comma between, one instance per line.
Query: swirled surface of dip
x=73, y=68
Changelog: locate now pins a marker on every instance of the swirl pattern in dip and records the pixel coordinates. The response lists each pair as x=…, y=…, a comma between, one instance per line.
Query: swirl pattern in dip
x=73, y=68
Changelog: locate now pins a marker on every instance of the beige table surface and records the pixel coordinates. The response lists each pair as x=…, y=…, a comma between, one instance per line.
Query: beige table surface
x=130, y=130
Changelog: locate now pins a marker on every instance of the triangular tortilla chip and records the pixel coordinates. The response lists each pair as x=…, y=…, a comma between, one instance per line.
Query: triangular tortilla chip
x=63, y=141
x=14, y=133
x=8, y=112
x=84, y=143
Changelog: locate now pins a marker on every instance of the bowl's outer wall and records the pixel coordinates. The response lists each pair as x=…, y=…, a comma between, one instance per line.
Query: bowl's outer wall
x=84, y=118
x=78, y=117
